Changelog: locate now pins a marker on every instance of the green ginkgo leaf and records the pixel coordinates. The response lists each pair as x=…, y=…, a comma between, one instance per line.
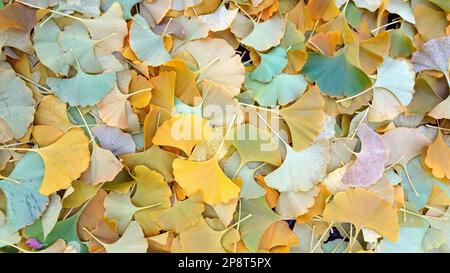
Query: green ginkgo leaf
x=271, y=65
x=421, y=180
x=255, y=144
x=83, y=89
x=16, y=103
x=283, y=88
x=76, y=37
x=67, y=230
x=147, y=46
x=24, y=202
x=335, y=76
x=253, y=228
x=126, y=5
x=250, y=189
x=47, y=48
x=266, y=34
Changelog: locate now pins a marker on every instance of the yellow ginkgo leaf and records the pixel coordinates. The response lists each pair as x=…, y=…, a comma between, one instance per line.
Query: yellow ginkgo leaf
x=183, y=131
x=182, y=215
x=202, y=239
x=46, y=134
x=153, y=120
x=164, y=90
x=305, y=118
x=207, y=177
x=363, y=208
x=278, y=234
x=438, y=157
x=64, y=161
x=137, y=84
x=185, y=86
x=151, y=189
x=52, y=111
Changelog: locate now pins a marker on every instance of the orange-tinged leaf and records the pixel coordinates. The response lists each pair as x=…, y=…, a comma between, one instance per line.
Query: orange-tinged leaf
x=183, y=131
x=438, y=157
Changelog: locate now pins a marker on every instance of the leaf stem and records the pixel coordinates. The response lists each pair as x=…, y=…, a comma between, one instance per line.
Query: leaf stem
x=355, y=96
x=276, y=133
x=34, y=83
x=52, y=11
x=87, y=126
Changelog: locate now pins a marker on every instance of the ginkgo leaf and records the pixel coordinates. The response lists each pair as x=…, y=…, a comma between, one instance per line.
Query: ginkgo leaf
x=48, y=49
x=113, y=139
x=295, y=203
x=335, y=76
x=411, y=234
x=64, y=161
x=76, y=37
x=148, y=46
x=24, y=202
x=219, y=20
x=164, y=86
x=183, y=132
x=131, y=241
x=421, y=182
x=183, y=83
x=300, y=171
x=104, y=26
x=250, y=189
x=218, y=63
x=388, y=74
x=434, y=55
x=52, y=111
x=7, y=234
x=207, y=177
x=201, y=239
x=431, y=22
x=16, y=103
x=305, y=118
x=386, y=106
x=363, y=208
x=438, y=156
x=154, y=11
x=271, y=65
x=283, y=89
x=114, y=108
x=126, y=5
x=50, y=216
x=255, y=144
x=401, y=8
x=118, y=207
x=404, y=144
x=258, y=38
x=254, y=227
x=162, y=164
x=67, y=230
x=150, y=189
x=83, y=89
x=183, y=215
x=370, y=161
x=103, y=166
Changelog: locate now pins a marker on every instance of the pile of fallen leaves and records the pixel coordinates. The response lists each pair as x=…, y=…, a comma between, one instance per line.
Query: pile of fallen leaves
x=353, y=96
